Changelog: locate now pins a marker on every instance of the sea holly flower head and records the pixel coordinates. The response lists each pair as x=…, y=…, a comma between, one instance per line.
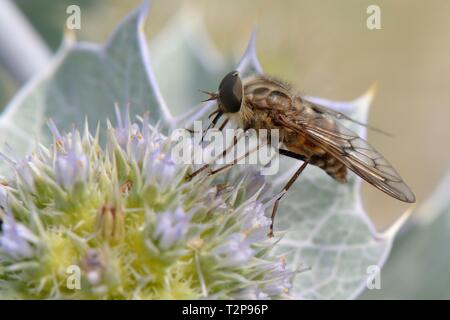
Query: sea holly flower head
x=125, y=215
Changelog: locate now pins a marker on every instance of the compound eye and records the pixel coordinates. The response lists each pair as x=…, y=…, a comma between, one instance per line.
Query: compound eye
x=230, y=92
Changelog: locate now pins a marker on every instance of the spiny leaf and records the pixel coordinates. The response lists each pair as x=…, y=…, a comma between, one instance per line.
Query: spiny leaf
x=418, y=265
x=249, y=64
x=185, y=60
x=86, y=80
x=329, y=230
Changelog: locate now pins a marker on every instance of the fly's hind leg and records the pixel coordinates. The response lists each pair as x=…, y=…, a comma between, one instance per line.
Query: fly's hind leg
x=288, y=184
x=291, y=154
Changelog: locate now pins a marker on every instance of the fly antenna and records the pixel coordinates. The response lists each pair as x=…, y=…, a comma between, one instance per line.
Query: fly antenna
x=212, y=95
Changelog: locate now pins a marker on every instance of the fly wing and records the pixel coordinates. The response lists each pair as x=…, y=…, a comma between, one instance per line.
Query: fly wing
x=354, y=152
x=339, y=115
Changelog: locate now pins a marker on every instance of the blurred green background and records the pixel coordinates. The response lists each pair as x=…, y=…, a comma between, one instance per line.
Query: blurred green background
x=325, y=49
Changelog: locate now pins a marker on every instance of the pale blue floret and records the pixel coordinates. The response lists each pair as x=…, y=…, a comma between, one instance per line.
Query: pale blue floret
x=171, y=227
x=24, y=171
x=255, y=222
x=122, y=130
x=71, y=165
x=235, y=250
x=16, y=239
x=3, y=196
x=252, y=293
x=280, y=279
x=159, y=167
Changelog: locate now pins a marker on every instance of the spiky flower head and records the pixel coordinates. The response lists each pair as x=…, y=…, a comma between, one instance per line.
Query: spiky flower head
x=83, y=220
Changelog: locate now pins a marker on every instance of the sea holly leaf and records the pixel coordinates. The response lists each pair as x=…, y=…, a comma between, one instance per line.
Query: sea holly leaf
x=328, y=228
x=85, y=80
x=418, y=265
x=248, y=65
x=185, y=60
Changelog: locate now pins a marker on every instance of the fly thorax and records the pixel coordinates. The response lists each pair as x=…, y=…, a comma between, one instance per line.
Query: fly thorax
x=244, y=118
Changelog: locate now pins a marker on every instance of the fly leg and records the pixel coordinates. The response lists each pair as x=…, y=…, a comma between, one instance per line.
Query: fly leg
x=288, y=184
x=291, y=154
x=235, y=161
x=204, y=167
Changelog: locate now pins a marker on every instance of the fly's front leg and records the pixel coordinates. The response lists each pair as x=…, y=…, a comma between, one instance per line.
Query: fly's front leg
x=235, y=161
x=285, y=189
x=206, y=166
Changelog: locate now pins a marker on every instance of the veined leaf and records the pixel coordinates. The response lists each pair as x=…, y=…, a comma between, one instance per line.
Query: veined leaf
x=329, y=230
x=83, y=81
x=185, y=60
x=418, y=265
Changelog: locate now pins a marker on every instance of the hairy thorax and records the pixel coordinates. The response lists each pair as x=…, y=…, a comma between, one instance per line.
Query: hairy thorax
x=265, y=100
